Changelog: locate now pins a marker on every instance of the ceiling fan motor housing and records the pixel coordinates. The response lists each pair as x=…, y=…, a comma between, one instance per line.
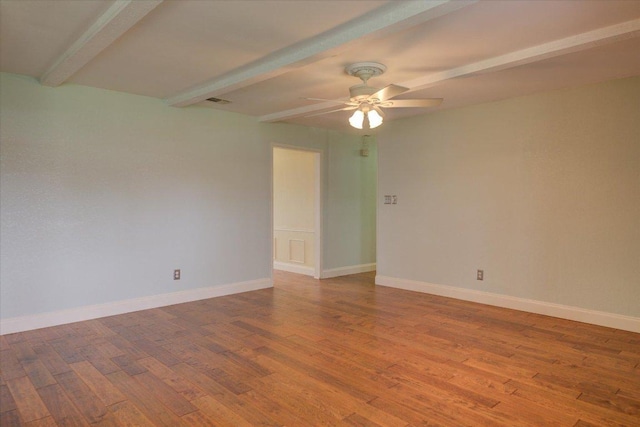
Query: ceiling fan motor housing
x=361, y=92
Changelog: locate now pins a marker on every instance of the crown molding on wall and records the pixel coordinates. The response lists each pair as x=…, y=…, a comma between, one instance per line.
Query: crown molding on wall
x=601, y=318
x=43, y=320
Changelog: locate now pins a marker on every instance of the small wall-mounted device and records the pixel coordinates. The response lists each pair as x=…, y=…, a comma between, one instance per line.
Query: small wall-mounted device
x=390, y=199
x=176, y=274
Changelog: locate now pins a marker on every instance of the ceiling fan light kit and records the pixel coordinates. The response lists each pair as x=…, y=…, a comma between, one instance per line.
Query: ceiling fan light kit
x=368, y=101
x=373, y=118
x=357, y=119
x=363, y=92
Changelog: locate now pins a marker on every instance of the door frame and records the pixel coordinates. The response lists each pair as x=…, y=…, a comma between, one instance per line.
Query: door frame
x=318, y=161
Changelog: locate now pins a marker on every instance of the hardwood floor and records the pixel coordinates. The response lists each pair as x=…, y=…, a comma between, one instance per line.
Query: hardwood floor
x=331, y=352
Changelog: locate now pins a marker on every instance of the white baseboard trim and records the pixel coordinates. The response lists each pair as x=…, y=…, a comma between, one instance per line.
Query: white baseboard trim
x=294, y=268
x=54, y=318
x=350, y=269
x=601, y=318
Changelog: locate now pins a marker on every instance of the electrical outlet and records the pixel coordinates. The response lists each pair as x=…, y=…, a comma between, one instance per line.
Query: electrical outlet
x=176, y=274
x=387, y=200
x=480, y=275
x=394, y=200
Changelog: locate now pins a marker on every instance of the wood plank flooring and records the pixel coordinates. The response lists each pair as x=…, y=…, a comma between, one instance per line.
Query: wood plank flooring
x=332, y=352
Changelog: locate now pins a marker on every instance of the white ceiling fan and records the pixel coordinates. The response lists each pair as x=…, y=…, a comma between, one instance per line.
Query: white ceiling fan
x=368, y=101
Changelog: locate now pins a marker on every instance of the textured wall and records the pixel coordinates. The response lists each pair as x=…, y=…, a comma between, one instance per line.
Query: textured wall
x=542, y=192
x=351, y=202
x=103, y=194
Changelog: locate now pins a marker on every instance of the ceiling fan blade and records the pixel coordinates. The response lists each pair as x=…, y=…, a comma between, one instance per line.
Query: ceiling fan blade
x=378, y=110
x=388, y=92
x=332, y=111
x=408, y=103
x=335, y=101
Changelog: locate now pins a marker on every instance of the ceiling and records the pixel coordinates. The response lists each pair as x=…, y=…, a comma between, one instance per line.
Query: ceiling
x=267, y=56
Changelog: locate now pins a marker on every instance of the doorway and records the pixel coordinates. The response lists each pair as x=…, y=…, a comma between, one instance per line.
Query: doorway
x=296, y=210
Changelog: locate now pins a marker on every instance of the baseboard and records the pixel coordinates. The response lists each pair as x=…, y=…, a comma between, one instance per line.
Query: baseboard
x=43, y=320
x=594, y=317
x=293, y=268
x=344, y=271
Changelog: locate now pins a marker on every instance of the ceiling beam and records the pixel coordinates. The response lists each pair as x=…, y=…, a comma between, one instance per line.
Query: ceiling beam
x=392, y=17
x=296, y=112
x=579, y=42
x=307, y=110
x=117, y=20
x=571, y=44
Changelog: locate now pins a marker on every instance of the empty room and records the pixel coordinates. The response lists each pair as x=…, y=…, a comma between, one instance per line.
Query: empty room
x=319, y=212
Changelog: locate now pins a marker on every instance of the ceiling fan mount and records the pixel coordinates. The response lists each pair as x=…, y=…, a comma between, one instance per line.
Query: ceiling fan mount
x=364, y=71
